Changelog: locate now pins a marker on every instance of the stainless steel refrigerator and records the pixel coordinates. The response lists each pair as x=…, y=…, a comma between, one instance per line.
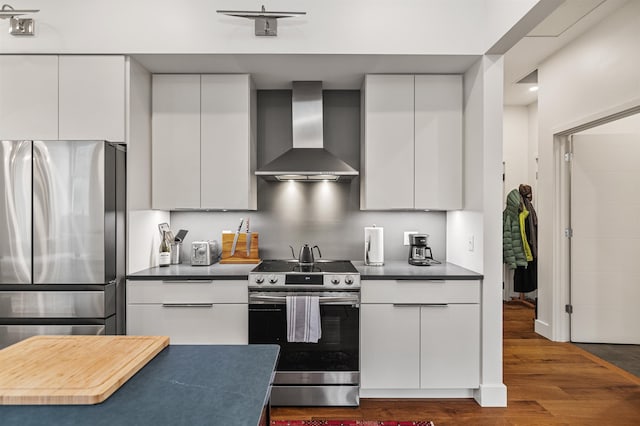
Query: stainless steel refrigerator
x=62, y=238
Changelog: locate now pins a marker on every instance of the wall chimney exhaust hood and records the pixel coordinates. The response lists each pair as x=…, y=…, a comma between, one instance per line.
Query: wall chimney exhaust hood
x=307, y=160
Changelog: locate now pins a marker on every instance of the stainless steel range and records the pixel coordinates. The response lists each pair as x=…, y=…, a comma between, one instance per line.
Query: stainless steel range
x=290, y=274
x=325, y=373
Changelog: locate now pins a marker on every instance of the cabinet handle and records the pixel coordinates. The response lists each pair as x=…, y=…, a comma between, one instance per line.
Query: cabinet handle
x=439, y=281
x=187, y=305
x=426, y=305
x=187, y=281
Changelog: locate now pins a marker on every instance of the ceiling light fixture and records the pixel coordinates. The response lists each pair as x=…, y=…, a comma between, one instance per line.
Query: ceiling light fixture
x=266, y=23
x=533, y=88
x=18, y=26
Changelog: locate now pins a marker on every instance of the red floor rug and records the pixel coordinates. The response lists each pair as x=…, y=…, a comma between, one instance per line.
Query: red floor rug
x=347, y=423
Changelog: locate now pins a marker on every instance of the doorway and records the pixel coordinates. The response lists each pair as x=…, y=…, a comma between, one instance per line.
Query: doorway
x=604, y=233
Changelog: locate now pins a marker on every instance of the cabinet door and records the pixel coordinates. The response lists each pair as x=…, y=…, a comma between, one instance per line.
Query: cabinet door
x=175, y=150
x=92, y=98
x=387, y=152
x=438, y=142
x=227, y=143
x=28, y=97
x=389, y=347
x=191, y=325
x=450, y=346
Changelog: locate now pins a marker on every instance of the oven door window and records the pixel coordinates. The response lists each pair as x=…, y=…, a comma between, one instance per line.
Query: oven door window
x=337, y=349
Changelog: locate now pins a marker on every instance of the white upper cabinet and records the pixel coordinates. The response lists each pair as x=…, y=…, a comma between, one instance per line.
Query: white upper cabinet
x=28, y=97
x=92, y=98
x=203, y=148
x=228, y=143
x=438, y=142
x=387, y=152
x=175, y=141
x=412, y=142
x=62, y=97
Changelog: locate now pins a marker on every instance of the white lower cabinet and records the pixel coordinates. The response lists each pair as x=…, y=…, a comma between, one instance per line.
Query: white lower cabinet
x=410, y=342
x=189, y=312
x=390, y=347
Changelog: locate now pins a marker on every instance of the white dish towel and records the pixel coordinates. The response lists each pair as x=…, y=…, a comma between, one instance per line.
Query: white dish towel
x=303, y=319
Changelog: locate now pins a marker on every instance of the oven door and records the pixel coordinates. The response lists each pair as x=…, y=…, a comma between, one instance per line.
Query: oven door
x=334, y=359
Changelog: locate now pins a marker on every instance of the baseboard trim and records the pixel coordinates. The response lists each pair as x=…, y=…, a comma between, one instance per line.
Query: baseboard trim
x=543, y=329
x=491, y=395
x=416, y=393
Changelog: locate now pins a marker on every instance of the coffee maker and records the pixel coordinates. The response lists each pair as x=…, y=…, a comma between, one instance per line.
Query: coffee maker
x=419, y=251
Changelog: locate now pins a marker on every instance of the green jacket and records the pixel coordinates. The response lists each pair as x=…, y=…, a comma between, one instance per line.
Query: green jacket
x=512, y=249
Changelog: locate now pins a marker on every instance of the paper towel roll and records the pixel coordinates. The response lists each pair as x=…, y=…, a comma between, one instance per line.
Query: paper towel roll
x=373, y=246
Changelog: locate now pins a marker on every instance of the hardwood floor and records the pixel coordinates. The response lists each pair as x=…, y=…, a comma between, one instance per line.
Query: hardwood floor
x=548, y=383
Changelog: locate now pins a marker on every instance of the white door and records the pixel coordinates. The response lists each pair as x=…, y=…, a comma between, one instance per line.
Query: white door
x=605, y=247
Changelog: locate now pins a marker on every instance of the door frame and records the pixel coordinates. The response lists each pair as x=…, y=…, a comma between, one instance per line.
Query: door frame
x=561, y=264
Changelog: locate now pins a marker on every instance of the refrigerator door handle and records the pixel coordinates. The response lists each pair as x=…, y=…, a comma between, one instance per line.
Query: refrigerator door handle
x=15, y=205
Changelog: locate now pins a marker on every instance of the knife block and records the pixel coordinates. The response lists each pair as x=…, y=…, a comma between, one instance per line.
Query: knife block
x=240, y=256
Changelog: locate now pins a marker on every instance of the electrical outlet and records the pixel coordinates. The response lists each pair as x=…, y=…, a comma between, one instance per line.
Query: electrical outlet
x=406, y=236
x=471, y=243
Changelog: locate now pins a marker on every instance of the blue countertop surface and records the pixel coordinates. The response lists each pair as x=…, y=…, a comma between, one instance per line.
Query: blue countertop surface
x=182, y=385
x=394, y=269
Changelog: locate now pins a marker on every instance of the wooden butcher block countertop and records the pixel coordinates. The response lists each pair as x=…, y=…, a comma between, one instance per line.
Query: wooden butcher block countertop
x=72, y=369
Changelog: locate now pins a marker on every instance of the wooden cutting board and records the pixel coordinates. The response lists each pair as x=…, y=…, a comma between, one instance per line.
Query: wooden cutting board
x=72, y=369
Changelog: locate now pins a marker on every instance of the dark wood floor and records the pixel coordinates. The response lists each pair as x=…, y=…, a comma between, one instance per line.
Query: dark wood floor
x=549, y=383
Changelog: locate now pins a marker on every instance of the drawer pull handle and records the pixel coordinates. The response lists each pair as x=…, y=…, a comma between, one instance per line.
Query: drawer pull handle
x=426, y=305
x=187, y=281
x=421, y=279
x=187, y=305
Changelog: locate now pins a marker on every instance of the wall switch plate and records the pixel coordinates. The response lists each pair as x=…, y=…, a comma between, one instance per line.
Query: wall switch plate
x=406, y=236
x=471, y=243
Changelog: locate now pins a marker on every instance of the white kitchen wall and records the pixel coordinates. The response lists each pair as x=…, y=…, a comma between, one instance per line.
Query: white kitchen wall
x=593, y=77
x=330, y=26
x=482, y=217
x=515, y=147
x=628, y=125
x=144, y=238
x=532, y=168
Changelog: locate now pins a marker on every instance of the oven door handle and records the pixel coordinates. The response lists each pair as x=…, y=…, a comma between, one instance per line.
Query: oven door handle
x=324, y=300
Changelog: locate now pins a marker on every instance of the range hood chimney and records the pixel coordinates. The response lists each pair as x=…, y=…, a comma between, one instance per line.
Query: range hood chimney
x=307, y=160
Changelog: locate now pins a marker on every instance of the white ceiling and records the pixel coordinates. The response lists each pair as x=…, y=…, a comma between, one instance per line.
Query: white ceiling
x=567, y=22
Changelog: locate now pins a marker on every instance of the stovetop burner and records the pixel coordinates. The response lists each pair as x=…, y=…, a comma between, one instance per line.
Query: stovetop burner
x=291, y=274
x=318, y=267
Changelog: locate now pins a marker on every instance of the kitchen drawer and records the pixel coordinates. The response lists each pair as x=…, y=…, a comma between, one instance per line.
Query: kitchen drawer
x=188, y=291
x=203, y=324
x=420, y=291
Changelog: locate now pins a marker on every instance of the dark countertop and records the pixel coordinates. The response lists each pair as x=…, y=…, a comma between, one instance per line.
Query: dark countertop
x=393, y=269
x=185, y=271
x=400, y=269
x=182, y=385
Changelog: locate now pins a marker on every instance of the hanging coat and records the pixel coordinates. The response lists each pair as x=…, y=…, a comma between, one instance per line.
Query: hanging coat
x=512, y=248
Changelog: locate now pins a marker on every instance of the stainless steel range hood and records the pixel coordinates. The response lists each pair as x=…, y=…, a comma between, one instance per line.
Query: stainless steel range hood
x=307, y=160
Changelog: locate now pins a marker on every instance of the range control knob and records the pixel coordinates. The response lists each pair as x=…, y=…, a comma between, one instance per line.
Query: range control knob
x=259, y=279
x=273, y=279
x=335, y=280
x=348, y=280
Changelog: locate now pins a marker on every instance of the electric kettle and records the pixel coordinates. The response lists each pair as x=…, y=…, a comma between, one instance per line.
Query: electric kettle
x=306, y=254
